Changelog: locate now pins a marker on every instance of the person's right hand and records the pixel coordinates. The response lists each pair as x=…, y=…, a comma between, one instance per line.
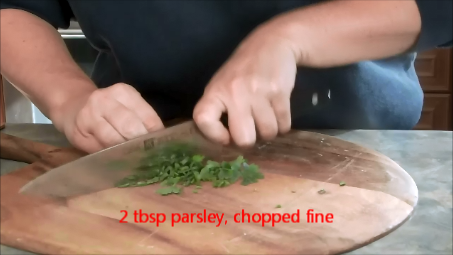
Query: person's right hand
x=107, y=117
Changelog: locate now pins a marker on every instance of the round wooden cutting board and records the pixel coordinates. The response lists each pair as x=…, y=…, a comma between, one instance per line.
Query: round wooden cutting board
x=301, y=188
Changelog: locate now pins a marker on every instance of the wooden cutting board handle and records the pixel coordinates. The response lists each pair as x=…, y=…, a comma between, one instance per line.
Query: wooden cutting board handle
x=27, y=151
x=22, y=150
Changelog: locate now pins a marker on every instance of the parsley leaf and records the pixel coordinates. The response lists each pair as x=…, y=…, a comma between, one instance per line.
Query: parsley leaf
x=169, y=190
x=178, y=165
x=251, y=174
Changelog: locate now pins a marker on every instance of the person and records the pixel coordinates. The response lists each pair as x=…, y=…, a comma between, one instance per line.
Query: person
x=270, y=65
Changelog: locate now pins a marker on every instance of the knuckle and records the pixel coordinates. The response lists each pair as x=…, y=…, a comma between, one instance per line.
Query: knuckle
x=275, y=89
x=199, y=107
x=90, y=111
x=236, y=86
x=120, y=89
x=200, y=116
x=95, y=97
x=254, y=85
x=81, y=125
x=130, y=129
x=202, y=112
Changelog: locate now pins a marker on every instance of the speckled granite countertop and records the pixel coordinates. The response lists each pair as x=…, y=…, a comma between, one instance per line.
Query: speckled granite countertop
x=425, y=155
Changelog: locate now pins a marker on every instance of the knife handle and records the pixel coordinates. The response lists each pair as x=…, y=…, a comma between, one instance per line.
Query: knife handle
x=22, y=150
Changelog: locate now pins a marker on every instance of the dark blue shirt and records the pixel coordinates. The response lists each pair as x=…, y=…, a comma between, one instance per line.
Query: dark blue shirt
x=168, y=50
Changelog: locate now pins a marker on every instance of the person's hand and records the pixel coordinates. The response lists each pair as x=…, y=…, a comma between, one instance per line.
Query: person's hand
x=107, y=117
x=253, y=87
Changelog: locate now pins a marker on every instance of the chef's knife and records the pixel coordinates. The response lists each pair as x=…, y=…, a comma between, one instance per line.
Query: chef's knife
x=101, y=170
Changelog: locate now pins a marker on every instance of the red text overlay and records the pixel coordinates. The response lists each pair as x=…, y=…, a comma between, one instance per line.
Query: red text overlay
x=264, y=219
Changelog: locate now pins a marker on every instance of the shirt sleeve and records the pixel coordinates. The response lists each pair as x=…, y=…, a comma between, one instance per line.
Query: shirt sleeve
x=437, y=24
x=57, y=13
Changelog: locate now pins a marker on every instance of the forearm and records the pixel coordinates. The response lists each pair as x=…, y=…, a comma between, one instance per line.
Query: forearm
x=35, y=60
x=337, y=32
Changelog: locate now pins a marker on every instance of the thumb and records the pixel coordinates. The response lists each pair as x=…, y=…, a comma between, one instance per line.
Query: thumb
x=207, y=114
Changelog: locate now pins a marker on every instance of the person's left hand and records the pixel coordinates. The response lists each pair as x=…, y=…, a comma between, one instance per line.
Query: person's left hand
x=253, y=87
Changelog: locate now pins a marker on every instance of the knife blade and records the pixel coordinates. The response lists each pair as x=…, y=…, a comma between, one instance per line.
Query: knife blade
x=101, y=170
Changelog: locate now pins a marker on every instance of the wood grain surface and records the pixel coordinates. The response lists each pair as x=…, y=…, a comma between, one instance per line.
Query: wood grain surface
x=378, y=197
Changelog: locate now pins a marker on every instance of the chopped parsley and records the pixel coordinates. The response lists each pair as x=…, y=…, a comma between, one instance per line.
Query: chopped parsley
x=175, y=167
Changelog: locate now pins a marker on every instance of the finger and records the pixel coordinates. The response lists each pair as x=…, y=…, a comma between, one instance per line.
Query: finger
x=85, y=142
x=265, y=120
x=135, y=102
x=207, y=115
x=123, y=120
x=145, y=112
x=95, y=126
x=282, y=110
x=106, y=135
x=88, y=144
x=241, y=123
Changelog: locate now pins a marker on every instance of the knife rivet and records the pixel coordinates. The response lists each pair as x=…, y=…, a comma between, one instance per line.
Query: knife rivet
x=314, y=99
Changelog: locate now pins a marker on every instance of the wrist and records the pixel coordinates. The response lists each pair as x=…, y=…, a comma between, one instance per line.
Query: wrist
x=289, y=35
x=64, y=102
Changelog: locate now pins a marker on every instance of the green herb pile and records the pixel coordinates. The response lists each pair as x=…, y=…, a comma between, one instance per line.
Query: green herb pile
x=177, y=166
